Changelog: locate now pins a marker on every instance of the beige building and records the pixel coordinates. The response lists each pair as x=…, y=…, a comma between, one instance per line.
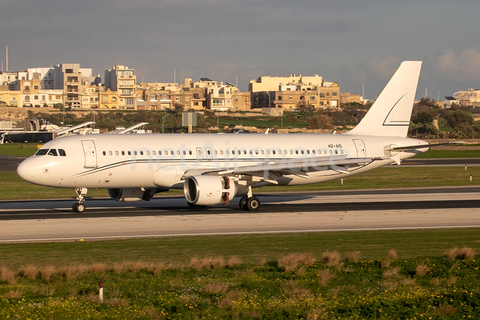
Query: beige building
x=268, y=83
x=241, y=101
x=90, y=96
x=470, y=97
x=199, y=95
x=108, y=99
x=9, y=97
x=122, y=80
x=346, y=97
x=294, y=92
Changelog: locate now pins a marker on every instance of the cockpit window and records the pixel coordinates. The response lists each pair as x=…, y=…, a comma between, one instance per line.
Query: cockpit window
x=52, y=152
x=61, y=152
x=41, y=152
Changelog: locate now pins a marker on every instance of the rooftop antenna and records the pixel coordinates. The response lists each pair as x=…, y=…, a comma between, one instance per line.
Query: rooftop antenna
x=6, y=54
x=174, y=76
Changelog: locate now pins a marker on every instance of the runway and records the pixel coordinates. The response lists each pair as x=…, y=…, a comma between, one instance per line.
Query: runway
x=31, y=221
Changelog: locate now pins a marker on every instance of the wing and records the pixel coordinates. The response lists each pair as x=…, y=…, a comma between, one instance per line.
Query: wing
x=273, y=169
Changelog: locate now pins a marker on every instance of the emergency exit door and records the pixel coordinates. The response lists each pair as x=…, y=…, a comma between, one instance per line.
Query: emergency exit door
x=90, y=153
x=360, y=146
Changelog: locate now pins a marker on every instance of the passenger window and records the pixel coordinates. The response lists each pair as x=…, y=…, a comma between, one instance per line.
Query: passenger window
x=123, y=153
x=116, y=153
x=129, y=153
x=104, y=153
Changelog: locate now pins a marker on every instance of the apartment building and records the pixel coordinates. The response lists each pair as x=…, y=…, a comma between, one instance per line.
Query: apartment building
x=122, y=80
x=107, y=99
x=294, y=92
x=199, y=95
x=9, y=97
x=469, y=97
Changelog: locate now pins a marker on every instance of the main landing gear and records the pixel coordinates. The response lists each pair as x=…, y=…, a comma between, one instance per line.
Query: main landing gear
x=79, y=207
x=249, y=202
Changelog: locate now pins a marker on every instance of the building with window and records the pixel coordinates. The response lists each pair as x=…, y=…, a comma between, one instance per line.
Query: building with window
x=469, y=97
x=294, y=92
x=122, y=80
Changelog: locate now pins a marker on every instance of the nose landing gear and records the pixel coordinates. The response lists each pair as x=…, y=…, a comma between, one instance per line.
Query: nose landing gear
x=79, y=207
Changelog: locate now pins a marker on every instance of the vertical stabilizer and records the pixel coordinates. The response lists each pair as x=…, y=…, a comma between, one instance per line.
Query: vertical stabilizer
x=390, y=113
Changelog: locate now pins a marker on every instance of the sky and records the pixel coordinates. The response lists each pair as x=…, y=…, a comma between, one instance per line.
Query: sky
x=357, y=43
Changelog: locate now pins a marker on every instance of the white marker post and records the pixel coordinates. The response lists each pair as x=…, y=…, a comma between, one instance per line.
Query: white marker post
x=100, y=292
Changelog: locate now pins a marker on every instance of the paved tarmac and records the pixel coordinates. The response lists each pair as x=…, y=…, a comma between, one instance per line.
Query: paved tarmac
x=9, y=163
x=170, y=216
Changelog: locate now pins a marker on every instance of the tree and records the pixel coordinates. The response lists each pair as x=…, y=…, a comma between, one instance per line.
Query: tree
x=459, y=118
x=422, y=117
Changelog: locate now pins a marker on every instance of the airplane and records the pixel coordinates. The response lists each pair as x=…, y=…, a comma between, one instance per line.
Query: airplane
x=214, y=168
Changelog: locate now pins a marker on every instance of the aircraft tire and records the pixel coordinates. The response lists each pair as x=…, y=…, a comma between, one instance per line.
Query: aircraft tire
x=243, y=203
x=79, y=207
x=253, y=204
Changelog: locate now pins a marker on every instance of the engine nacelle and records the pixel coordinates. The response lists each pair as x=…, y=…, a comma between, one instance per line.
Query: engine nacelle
x=208, y=190
x=131, y=194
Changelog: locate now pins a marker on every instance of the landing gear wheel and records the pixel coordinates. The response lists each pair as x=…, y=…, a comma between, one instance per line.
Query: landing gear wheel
x=78, y=207
x=243, y=203
x=252, y=204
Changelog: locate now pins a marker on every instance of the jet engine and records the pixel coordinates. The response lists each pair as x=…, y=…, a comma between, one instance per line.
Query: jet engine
x=131, y=194
x=207, y=190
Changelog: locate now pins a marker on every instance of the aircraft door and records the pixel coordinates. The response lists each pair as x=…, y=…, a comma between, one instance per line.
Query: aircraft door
x=360, y=146
x=90, y=153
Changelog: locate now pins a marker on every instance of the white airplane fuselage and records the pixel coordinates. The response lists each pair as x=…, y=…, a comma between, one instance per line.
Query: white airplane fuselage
x=161, y=160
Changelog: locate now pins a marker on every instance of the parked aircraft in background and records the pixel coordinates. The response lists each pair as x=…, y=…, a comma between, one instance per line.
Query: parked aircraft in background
x=213, y=168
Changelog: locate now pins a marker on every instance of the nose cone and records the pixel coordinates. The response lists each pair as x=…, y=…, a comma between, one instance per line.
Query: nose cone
x=27, y=171
x=23, y=171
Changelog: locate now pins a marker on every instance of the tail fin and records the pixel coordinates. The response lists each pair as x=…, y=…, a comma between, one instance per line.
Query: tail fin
x=390, y=113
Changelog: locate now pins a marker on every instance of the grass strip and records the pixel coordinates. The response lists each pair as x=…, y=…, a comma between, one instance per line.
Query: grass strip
x=430, y=274
x=250, y=248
